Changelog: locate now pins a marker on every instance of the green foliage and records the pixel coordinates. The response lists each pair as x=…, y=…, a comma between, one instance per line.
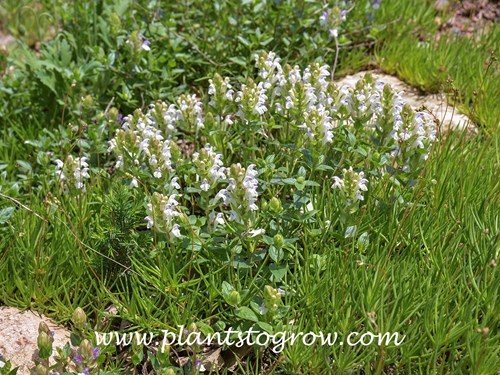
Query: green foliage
x=465, y=68
x=117, y=234
x=417, y=255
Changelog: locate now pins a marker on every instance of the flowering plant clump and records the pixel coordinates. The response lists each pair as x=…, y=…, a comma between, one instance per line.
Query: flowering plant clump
x=366, y=132
x=235, y=177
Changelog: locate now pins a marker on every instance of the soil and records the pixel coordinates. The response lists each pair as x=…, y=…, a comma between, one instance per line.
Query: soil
x=469, y=16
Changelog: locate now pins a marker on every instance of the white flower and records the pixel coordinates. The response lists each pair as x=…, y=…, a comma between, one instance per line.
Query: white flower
x=338, y=183
x=134, y=183
x=59, y=163
x=211, y=88
x=176, y=231
x=260, y=108
x=263, y=309
x=250, y=185
x=255, y=232
x=223, y=195
x=150, y=221
x=352, y=184
x=216, y=218
x=119, y=162
x=205, y=186
x=233, y=216
x=174, y=184
x=157, y=173
x=2, y=364
x=145, y=45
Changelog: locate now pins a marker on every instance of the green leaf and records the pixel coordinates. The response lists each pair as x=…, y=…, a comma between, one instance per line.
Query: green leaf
x=65, y=51
x=238, y=60
x=363, y=241
x=278, y=271
x=48, y=80
x=289, y=181
x=266, y=327
x=311, y=183
x=350, y=231
x=246, y=313
x=323, y=167
x=226, y=289
x=276, y=254
x=5, y=214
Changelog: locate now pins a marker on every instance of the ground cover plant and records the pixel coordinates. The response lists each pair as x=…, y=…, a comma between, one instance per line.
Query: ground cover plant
x=201, y=168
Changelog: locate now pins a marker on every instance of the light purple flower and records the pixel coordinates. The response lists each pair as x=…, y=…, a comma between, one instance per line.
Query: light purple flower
x=96, y=353
x=145, y=45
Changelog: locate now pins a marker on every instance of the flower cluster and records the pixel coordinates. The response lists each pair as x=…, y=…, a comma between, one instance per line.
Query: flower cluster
x=312, y=103
x=413, y=134
x=351, y=185
x=137, y=42
x=85, y=358
x=209, y=167
x=141, y=141
x=163, y=211
x=72, y=171
x=190, y=111
x=331, y=19
x=241, y=194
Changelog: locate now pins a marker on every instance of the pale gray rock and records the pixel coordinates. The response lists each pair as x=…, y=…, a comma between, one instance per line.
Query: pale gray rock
x=18, y=335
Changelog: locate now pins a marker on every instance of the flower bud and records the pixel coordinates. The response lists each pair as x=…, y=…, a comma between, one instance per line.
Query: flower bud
x=79, y=318
x=115, y=23
x=278, y=241
x=264, y=205
x=193, y=327
x=271, y=297
x=234, y=298
x=43, y=327
x=87, y=102
x=170, y=372
x=275, y=205
x=113, y=115
x=41, y=370
x=44, y=342
x=301, y=179
x=86, y=350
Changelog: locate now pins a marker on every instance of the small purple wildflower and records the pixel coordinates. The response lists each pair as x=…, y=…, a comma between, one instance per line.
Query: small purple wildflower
x=324, y=17
x=376, y=4
x=96, y=353
x=86, y=371
x=78, y=360
x=119, y=118
x=145, y=45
